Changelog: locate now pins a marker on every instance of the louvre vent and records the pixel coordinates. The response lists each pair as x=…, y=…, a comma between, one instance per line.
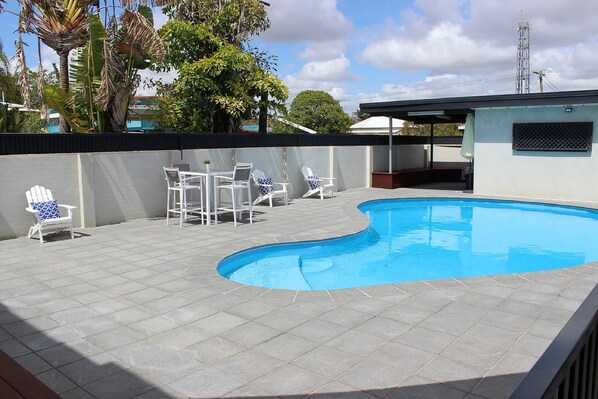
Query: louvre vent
x=557, y=136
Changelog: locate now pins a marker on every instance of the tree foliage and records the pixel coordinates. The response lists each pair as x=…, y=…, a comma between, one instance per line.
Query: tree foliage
x=440, y=129
x=105, y=61
x=231, y=21
x=359, y=115
x=219, y=83
x=104, y=72
x=7, y=82
x=317, y=110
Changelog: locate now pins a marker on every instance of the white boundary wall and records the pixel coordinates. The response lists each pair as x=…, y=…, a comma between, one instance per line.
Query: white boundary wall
x=499, y=170
x=111, y=188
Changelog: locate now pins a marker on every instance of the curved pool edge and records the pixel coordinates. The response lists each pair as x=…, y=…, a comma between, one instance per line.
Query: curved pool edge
x=358, y=223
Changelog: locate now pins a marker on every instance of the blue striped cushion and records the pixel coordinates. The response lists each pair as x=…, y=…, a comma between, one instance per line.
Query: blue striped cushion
x=315, y=183
x=267, y=188
x=47, y=210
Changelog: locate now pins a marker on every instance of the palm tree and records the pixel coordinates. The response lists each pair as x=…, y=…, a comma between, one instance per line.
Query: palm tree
x=60, y=24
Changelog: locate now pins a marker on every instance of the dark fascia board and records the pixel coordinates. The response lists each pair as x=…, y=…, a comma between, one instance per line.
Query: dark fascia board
x=458, y=107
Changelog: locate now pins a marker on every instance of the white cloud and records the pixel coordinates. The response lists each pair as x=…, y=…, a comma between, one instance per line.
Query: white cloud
x=322, y=51
x=306, y=20
x=159, y=18
x=329, y=76
x=332, y=70
x=444, y=49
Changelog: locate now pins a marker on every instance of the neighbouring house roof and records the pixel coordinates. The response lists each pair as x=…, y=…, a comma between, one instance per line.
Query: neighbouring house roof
x=455, y=109
x=375, y=125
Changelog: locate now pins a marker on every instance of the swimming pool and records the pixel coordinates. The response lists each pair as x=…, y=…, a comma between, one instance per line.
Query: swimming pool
x=424, y=239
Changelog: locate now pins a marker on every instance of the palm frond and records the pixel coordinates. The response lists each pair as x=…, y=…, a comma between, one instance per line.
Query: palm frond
x=113, y=73
x=142, y=33
x=64, y=103
x=23, y=72
x=41, y=84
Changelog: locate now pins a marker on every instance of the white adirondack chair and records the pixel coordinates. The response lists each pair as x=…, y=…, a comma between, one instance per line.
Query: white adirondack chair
x=42, y=222
x=316, y=184
x=266, y=189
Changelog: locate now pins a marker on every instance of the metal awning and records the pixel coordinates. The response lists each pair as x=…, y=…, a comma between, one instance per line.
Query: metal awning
x=455, y=109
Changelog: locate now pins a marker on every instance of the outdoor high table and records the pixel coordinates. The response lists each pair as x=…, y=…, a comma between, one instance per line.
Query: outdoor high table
x=209, y=184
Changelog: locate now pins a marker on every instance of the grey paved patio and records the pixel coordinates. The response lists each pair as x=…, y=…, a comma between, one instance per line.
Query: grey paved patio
x=138, y=310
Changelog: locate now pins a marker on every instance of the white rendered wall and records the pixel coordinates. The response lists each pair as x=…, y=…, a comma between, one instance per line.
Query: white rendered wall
x=18, y=173
x=501, y=171
x=446, y=156
x=111, y=188
x=351, y=167
x=129, y=185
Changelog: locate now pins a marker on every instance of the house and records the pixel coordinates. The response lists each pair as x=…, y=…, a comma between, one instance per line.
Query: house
x=536, y=145
x=376, y=125
x=142, y=116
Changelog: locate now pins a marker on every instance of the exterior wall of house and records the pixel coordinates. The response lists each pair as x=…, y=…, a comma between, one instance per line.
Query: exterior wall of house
x=501, y=171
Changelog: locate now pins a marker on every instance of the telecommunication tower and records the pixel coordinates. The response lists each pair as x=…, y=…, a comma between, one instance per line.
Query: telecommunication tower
x=523, y=58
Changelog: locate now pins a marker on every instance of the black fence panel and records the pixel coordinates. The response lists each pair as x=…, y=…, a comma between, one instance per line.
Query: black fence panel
x=568, y=369
x=11, y=144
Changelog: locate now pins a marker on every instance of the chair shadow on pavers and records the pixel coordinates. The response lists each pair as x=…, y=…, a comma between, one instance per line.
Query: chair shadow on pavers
x=63, y=361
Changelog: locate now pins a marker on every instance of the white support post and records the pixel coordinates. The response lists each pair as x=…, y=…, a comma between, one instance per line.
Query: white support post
x=389, y=144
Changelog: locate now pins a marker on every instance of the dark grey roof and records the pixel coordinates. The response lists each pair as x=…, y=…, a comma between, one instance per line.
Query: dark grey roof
x=455, y=109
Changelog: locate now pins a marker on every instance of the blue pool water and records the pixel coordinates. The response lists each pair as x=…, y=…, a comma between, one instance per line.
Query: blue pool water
x=423, y=239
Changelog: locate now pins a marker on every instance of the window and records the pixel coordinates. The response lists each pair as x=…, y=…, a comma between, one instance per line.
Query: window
x=556, y=136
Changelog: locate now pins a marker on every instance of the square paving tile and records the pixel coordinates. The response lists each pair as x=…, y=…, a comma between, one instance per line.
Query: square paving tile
x=219, y=322
x=346, y=317
x=454, y=373
x=251, y=334
x=115, y=337
x=426, y=339
x=206, y=383
x=422, y=388
x=402, y=357
x=249, y=365
x=286, y=347
x=92, y=368
x=318, y=331
x=288, y=380
x=357, y=343
x=375, y=378
x=386, y=328
x=326, y=361
x=214, y=349
x=121, y=385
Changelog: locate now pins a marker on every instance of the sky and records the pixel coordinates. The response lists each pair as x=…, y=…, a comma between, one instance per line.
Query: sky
x=386, y=50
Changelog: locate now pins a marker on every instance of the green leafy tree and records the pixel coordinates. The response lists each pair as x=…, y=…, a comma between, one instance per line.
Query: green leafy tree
x=317, y=110
x=359, y=115
x=440, y=129
x=231, y=21
x=218, y=82
x=7, y=81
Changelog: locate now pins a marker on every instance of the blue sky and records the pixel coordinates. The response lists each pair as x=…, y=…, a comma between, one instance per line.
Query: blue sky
x=384, y=50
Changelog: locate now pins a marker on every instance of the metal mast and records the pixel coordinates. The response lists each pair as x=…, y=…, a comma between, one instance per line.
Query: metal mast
x=523, y=58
